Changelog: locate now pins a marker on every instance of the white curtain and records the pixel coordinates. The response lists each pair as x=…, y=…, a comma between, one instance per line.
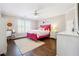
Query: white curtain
x=23, y=25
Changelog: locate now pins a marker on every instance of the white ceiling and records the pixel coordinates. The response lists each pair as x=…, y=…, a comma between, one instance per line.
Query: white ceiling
x=27, y=9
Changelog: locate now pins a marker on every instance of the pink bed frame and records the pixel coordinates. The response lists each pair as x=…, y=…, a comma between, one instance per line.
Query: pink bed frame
x=34, y=36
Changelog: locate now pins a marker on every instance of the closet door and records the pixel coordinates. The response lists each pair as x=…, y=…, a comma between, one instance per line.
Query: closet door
x=3, y=40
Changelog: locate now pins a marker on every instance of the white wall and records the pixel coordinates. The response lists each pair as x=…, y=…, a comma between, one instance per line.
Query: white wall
x=65, y=19
x=59, y=21
x=71, y=16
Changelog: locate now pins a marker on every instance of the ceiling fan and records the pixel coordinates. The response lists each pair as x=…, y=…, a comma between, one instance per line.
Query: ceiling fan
x=36, y=12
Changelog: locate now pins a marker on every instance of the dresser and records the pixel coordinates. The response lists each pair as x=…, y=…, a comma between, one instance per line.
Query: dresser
x=67, y=44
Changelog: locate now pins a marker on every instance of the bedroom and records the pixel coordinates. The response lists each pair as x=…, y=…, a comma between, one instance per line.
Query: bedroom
x=36, y=21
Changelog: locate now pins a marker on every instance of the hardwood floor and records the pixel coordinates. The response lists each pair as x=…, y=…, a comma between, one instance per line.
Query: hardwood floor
x=49, y=49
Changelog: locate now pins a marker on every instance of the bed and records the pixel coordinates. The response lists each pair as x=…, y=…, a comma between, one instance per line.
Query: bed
x=42, y=32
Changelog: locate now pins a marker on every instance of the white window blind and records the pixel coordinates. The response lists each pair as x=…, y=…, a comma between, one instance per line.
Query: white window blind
x=23, y=26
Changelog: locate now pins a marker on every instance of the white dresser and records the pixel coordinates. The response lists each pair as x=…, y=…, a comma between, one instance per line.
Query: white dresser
x=67, y=44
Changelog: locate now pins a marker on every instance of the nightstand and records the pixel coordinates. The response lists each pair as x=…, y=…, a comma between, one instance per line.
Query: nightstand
x=53, y=35
x=13, y=35
x=10, y=35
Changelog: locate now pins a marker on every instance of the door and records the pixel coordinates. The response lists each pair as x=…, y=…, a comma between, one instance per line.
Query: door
x=3, y=40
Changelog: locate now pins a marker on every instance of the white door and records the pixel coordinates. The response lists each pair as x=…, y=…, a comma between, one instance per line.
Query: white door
x=3, y=40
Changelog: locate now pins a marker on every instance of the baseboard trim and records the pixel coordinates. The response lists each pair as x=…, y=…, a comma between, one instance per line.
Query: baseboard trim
x=53, y=38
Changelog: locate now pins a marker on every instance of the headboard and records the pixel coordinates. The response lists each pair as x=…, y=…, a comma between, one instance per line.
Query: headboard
x=46, y=27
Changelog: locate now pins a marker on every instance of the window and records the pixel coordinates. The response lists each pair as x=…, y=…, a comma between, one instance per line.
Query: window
x=27, y=25
x=23, y=26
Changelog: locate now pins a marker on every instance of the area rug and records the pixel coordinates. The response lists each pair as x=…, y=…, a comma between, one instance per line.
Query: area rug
x=26, y=45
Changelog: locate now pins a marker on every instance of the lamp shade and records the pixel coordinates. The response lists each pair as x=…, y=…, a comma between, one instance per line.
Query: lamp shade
x=54, y=28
